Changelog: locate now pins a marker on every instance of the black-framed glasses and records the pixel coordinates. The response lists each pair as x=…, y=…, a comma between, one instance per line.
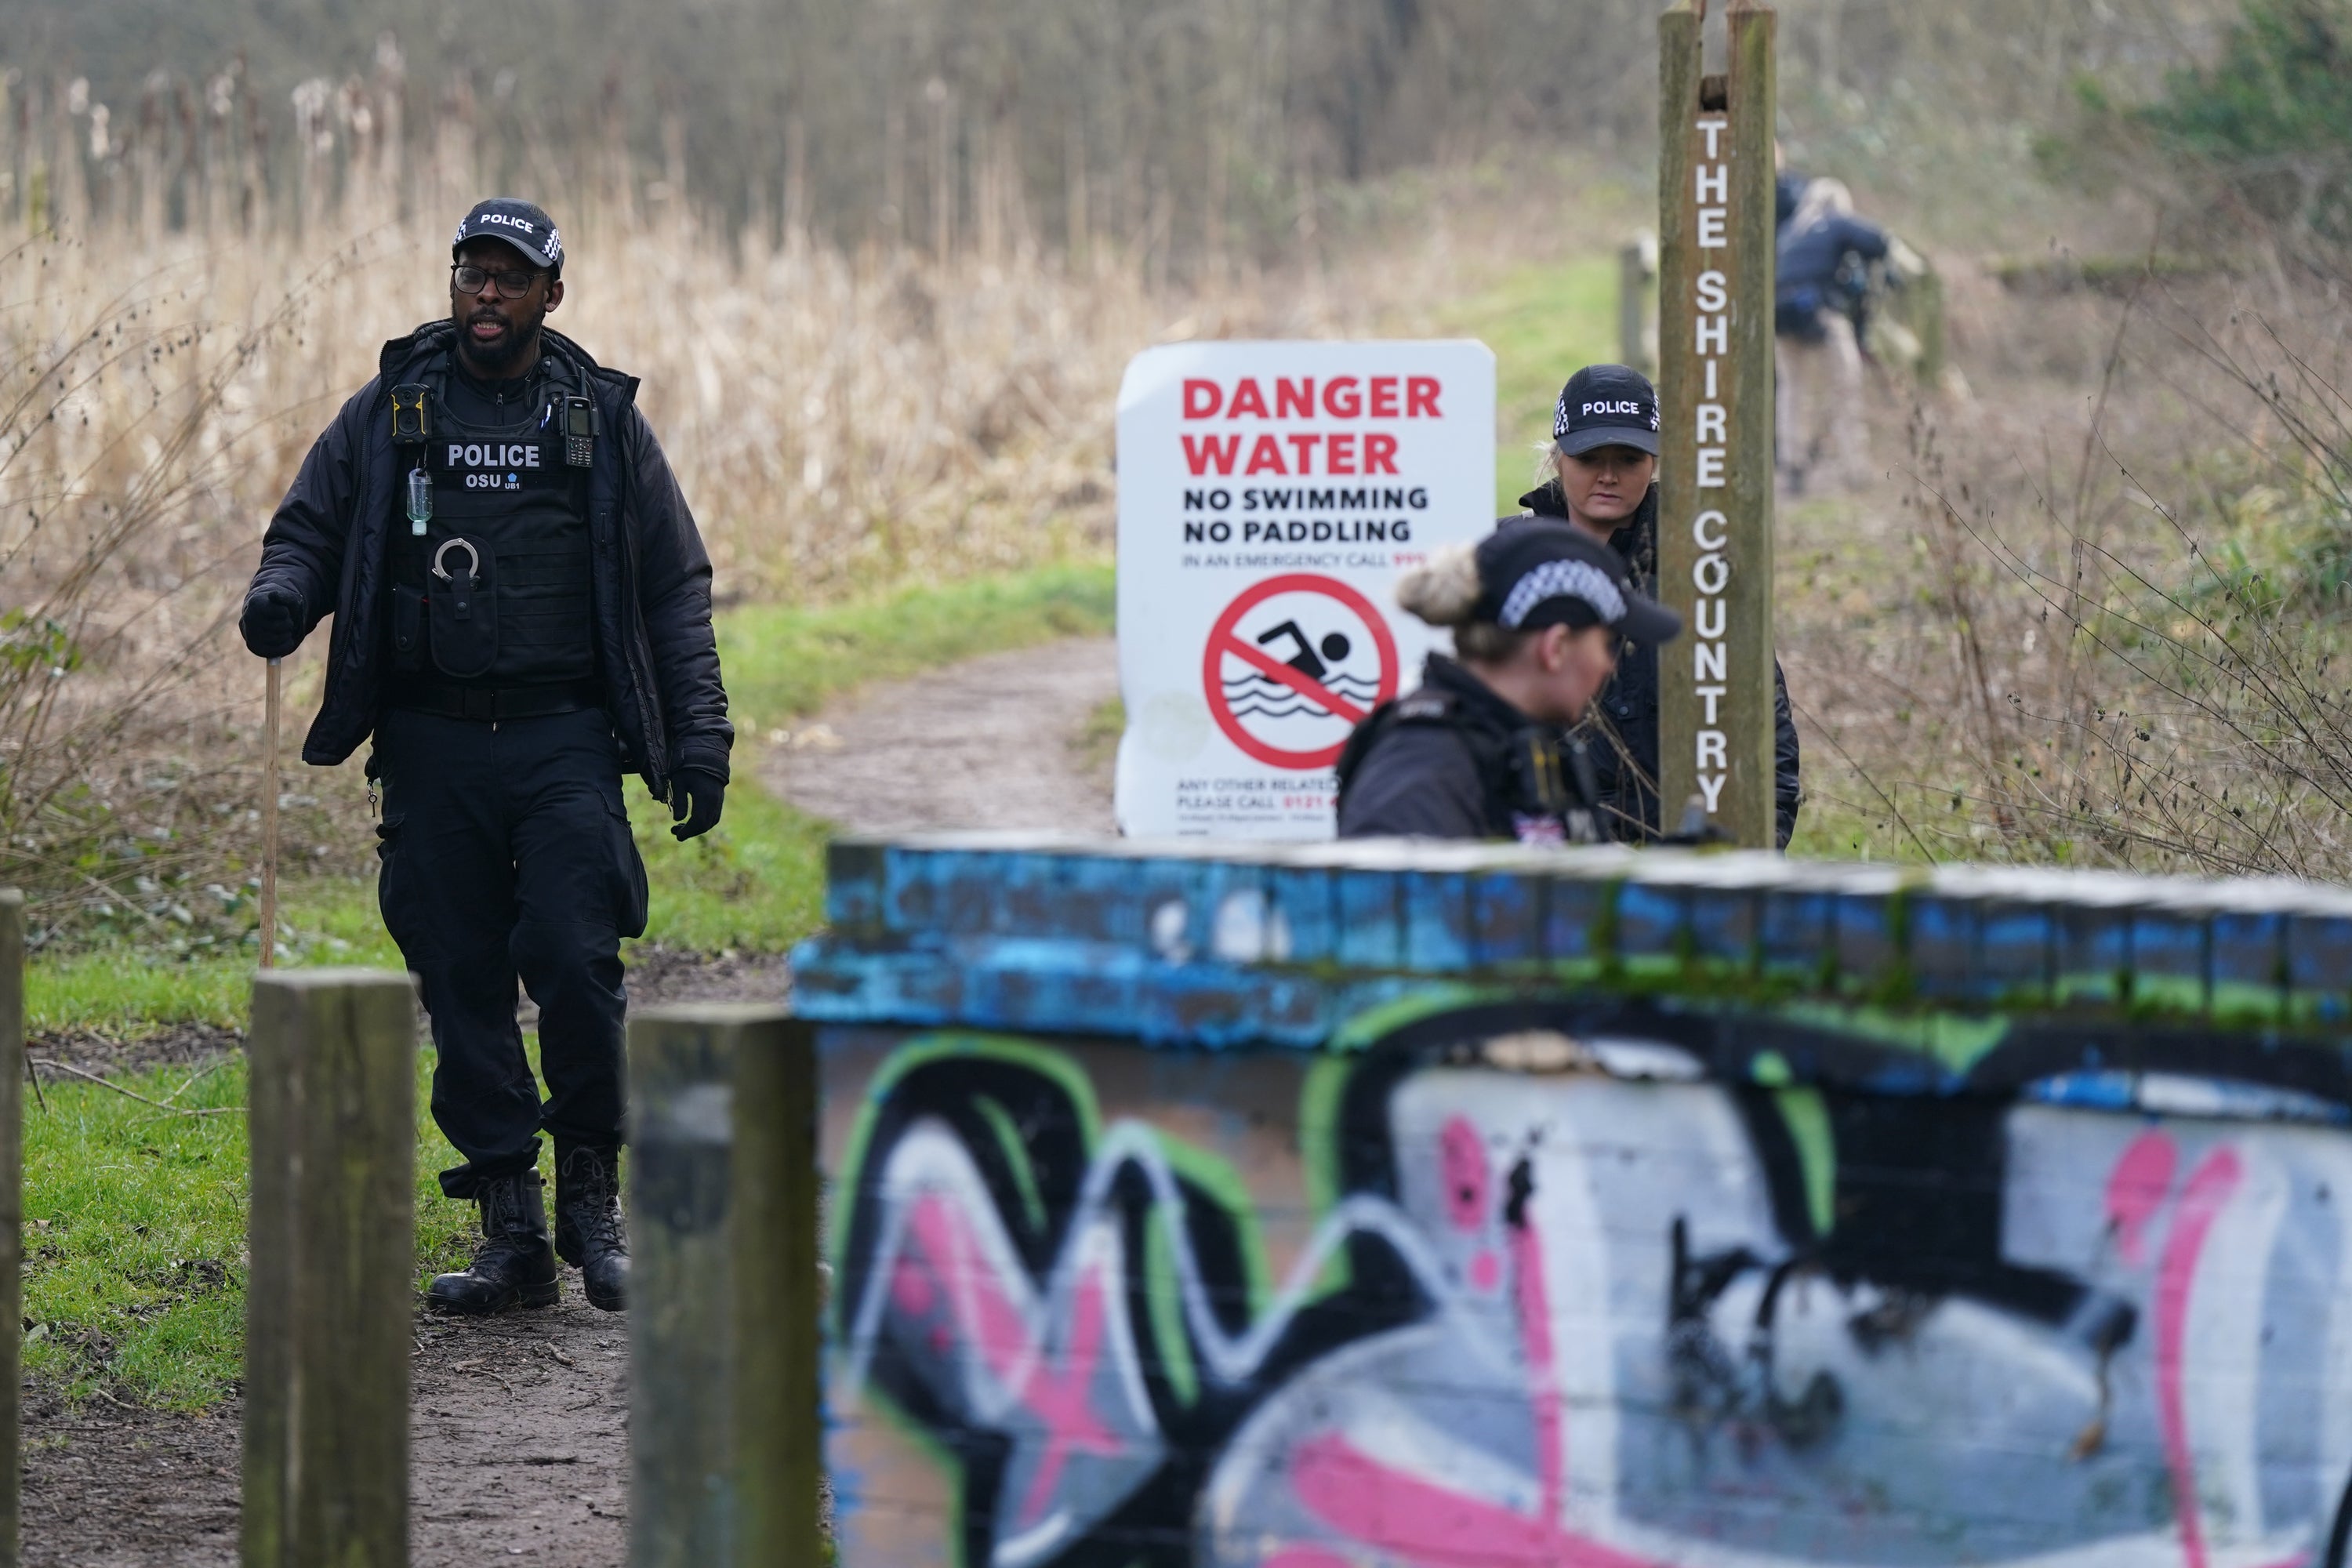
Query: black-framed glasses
x=472, y=279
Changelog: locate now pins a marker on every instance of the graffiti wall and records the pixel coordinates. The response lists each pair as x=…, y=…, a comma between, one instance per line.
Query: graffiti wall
x=1592, y=1280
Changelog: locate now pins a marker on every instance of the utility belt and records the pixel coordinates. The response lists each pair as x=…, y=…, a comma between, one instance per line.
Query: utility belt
x=488, y=705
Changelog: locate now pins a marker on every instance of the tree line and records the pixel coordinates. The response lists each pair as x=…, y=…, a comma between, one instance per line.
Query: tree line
x=1188, y=131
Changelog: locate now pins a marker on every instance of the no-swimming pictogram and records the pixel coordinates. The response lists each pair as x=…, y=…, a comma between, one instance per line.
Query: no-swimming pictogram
x=1295, y=663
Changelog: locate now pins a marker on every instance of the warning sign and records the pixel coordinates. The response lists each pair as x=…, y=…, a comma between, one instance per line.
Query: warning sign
x=1269, y=497
x=1293, y=665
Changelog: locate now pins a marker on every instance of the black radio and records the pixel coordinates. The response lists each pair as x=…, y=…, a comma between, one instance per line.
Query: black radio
x=579, y=431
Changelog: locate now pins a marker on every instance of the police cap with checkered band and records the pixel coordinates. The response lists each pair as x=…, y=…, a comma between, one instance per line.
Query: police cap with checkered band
x=1535, y=572
x=1606, y=405
x=522, y=223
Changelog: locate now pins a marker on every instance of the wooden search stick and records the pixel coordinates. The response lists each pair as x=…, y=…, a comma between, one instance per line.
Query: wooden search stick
x=269, y=824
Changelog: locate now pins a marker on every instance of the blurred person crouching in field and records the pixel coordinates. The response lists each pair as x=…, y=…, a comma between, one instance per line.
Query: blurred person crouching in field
x=1604, y=470
x=1825, y=274
x=522, y=609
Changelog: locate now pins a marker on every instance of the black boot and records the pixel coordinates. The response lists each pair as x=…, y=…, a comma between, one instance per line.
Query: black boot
x=514, y=1266
x=588, y=1231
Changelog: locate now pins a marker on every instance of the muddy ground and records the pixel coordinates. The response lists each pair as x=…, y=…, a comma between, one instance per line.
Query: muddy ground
x=993, y=742
x=519, y=1425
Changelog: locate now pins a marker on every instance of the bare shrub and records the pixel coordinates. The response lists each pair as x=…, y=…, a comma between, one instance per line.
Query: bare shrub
x=841, y=423
x=2118, y=638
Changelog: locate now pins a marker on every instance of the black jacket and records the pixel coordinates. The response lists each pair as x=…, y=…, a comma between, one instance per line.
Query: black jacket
x=1814, y=257
x=1622, y=733
x=1453, y=760
x=658, y=659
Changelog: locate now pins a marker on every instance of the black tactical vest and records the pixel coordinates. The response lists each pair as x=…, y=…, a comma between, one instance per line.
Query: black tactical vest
x=1537, y=783
x=494, y=589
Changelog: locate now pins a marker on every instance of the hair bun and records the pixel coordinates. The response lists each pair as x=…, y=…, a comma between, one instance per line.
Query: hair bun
x=1444, y=589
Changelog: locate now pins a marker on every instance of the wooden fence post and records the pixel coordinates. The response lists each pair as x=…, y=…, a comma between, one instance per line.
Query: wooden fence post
x=330, y=1289
x=723, y=1299
x=12, y=1213
x=1637, y=324
x=1714, y=402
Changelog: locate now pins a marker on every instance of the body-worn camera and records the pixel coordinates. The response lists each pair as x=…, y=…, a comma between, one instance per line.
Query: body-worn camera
x=410, y=419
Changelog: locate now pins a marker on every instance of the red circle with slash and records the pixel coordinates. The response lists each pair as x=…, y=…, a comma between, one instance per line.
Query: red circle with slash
x=1299, y=682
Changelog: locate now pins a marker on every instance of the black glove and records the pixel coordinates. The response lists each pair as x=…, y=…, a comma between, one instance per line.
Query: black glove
x=273, y=619
x=695, y=797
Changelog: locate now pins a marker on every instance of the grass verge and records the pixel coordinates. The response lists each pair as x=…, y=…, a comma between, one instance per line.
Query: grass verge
x=1544, y=323
x=134, y=1269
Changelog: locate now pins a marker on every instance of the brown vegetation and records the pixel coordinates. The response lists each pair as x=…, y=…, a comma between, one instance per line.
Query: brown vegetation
x=2097, y=613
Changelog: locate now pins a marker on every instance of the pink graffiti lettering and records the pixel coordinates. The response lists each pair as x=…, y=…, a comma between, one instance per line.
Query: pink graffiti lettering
x=1057, y=1398
x=1534, y=1334
x=983, y=1316
x=1485, y=1269
x=2137, y=1188
x=2209, y=1190
x=1362, y=1499
x=1463, y=1156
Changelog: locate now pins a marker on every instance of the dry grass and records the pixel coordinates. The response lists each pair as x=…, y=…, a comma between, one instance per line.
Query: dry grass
x=2097, y=613
x=2008, y=649
x=840, y=425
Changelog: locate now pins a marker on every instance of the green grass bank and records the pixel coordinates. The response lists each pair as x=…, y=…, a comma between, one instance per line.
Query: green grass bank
x=134, y=1272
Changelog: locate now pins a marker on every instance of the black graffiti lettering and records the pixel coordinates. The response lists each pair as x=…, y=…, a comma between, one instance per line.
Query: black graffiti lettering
x=1789, y=1257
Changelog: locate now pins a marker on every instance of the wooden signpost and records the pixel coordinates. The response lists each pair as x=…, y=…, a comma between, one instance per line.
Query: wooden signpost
x=1714, y=394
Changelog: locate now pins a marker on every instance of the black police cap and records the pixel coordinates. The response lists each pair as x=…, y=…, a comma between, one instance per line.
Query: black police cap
x=1606, y=405
x=522, y=223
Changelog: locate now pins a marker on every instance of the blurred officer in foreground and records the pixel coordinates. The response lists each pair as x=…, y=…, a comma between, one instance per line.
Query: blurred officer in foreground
x=1602, y=481
x=522, y=610
x=1830, y=264
x=1477, y=750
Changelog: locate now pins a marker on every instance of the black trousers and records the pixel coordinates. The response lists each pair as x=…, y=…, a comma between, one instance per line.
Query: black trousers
x=507, y=857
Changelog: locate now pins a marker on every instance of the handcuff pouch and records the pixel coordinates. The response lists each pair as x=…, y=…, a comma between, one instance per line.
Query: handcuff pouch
x=462, y=606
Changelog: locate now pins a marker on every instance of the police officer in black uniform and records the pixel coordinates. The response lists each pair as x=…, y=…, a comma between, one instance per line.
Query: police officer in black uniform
x=521, y=609
x=1605, y=464
x=1538, y=611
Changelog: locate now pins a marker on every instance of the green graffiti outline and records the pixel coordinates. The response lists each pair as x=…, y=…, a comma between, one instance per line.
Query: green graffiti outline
x=922, y=1051
x=1016, y=1155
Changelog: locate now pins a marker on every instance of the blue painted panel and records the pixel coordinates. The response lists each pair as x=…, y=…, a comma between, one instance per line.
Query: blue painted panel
x=1943, y=953
x=2320, y=963
x=1507, y=918
x=1438, y=933
x=1305, y=897
x=1651, y=922
x=2014, y=943
x=1371, y=919
x=1576, y=912
x=1797, y=931
x=2094, y=953
x=1869, y=937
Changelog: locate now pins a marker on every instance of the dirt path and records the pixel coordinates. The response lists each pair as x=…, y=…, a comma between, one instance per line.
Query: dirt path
x=519, y=1425
x=994, y=742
